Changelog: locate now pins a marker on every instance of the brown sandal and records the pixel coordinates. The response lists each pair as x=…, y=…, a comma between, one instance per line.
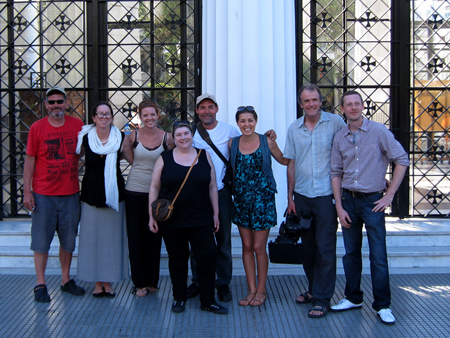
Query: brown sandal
x=246, y=301
x=258, y=301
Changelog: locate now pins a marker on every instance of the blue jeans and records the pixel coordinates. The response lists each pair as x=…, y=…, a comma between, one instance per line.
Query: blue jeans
x=224, y=265
x=360, y=211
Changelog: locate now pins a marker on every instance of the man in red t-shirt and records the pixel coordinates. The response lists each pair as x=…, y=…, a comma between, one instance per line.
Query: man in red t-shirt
x=51, y=189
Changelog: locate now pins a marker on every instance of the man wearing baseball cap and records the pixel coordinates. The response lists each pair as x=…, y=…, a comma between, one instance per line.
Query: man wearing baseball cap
x=51, y=190
x=220, y=133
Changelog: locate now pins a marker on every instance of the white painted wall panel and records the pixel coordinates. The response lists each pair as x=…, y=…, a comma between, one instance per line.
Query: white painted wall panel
x=249, y=59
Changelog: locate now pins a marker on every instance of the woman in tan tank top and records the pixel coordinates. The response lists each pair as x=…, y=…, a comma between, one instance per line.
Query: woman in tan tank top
x=149, y=141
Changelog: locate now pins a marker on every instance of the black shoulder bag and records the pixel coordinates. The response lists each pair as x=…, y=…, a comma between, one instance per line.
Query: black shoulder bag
x=228, y=178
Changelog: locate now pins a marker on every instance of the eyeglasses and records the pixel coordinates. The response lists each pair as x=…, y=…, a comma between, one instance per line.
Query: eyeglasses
x=249, y=108
x=103, y=115
x=51, y=102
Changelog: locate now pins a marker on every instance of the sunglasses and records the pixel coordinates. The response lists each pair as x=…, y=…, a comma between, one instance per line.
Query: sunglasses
x=181, y=122
x=249, y=108
x=51, y=102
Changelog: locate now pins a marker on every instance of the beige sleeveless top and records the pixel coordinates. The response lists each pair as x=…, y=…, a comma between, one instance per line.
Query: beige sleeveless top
x=140, y=175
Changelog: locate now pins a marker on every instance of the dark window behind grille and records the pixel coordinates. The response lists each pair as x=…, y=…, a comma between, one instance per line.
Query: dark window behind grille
x=430, y=94
x=397, y=54
x=121, y=51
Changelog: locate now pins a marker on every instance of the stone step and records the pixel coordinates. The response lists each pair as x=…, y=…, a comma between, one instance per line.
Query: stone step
x=399, y=258
x=411, y=232
x=412, y=244
x=392, y=239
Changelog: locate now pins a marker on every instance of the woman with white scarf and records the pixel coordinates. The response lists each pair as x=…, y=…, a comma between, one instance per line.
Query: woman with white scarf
x=102, y=249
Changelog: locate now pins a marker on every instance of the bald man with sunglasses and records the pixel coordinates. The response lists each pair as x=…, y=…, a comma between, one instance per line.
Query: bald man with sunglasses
x=51, y=190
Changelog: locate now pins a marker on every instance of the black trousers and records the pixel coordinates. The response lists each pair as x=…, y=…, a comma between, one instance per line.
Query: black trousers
x=202, y=241
x=320, y=246
x=144, y=246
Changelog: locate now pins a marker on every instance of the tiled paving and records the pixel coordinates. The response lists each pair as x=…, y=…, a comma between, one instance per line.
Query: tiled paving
x=421, y=303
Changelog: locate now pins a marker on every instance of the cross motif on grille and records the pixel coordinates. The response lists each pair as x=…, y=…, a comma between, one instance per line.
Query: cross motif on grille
x=323, y=18
x=128, y=68
x=370, y=107
x=174, y=21
x=63, y=21
x=368, y=63
x=20, y=67
x=433, y=111
x=173, y=108
x=127, y=24
x=433, y=195
x=435, y=22
x=326, y=106
x=434, y=151
x=322, y=66
x=368, y=20
x=19, y=22
x=173, y=65
x=129, y=109
x=63, y=66
x=434, y=64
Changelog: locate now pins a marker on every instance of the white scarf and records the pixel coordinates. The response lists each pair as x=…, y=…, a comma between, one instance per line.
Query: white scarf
x=110, y=150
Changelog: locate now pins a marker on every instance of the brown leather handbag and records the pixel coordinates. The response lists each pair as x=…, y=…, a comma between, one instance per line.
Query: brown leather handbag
x=162, y=208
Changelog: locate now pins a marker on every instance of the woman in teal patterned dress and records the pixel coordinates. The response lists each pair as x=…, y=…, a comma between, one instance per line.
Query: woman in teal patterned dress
x=254, y=210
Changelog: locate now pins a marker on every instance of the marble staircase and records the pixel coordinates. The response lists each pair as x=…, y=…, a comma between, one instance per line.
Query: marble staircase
x=414, y=246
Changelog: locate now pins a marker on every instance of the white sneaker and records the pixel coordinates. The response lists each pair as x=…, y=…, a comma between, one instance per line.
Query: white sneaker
x=345, y=305
x=386, y=316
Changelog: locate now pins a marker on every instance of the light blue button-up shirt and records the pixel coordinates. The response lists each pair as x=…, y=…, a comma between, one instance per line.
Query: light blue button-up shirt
x=312, y=154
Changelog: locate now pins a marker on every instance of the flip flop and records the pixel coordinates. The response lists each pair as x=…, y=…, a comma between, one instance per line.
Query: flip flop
x=322, y=309
x=306, y=298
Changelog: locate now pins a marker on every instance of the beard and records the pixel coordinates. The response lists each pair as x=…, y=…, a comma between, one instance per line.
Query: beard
x=57, y=114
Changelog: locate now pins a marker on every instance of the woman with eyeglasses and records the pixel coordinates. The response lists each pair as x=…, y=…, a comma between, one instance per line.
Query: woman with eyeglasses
x=148, y=142
x=194, y=218
x=254, y=210
x=102, y=249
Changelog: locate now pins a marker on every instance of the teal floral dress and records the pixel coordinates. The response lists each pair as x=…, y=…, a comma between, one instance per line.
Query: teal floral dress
x=254, y=201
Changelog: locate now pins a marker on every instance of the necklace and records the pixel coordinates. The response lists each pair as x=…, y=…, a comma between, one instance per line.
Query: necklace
x=104, y=142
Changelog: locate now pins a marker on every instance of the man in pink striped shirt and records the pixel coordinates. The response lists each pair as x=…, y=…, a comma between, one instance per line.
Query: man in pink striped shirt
x=359, y=159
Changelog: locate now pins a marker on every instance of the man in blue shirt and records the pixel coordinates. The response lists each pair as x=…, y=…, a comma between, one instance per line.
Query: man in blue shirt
x=308, y=148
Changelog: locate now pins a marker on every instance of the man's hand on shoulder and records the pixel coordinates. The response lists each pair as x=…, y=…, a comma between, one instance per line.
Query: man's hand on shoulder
x=271, y=134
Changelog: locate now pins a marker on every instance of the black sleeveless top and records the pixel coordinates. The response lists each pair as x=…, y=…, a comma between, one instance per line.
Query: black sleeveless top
x=93, y=184
x=193, y=206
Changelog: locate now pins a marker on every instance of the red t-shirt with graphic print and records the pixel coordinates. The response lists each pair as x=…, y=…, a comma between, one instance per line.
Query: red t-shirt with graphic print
x=56, y=168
